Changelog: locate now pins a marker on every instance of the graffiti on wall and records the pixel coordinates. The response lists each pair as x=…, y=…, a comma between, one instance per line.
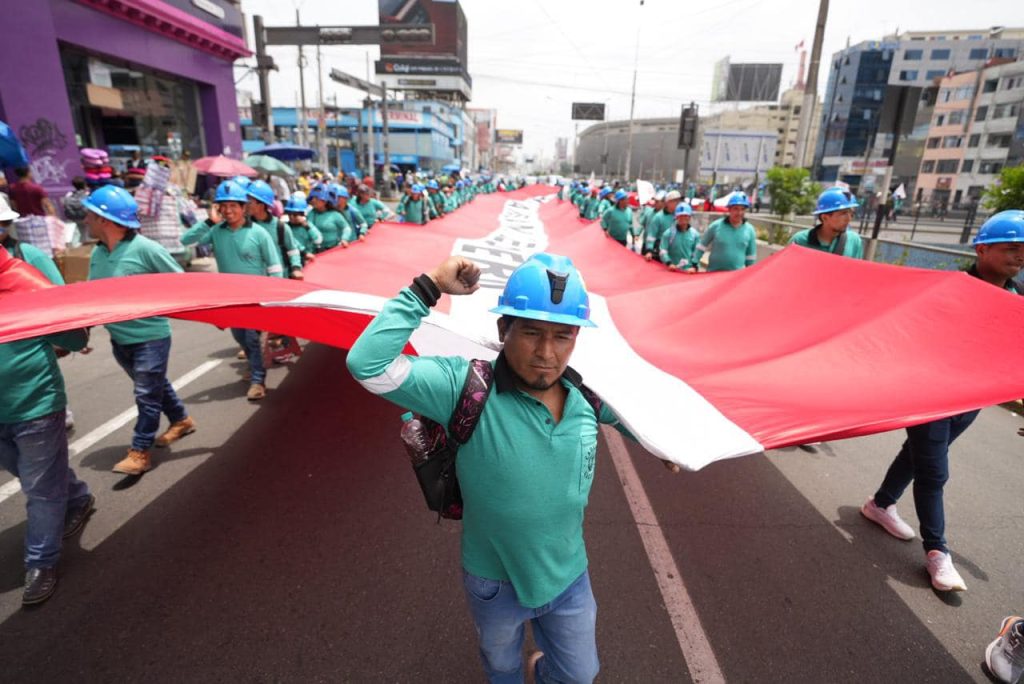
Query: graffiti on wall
x=44, y=140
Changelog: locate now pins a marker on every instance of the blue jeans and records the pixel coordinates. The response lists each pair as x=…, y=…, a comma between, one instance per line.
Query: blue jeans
x=249, y=340
x=146, y=364
x=36, y=452
x=924, y=460
x=563, y=629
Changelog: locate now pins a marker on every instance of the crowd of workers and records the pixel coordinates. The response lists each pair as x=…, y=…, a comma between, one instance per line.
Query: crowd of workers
x=247, y=238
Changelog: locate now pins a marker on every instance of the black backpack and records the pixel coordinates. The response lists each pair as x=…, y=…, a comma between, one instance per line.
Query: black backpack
x=436, y=473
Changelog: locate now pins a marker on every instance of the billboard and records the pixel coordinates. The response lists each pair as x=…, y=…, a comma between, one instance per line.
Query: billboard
x=737, y=152
x=588, y=111
x=508, y=136
x=745, y=82
x=450, y=31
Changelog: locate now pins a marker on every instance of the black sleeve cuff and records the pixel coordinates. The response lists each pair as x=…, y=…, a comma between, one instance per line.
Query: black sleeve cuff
x=425, y=288
x=210, y=223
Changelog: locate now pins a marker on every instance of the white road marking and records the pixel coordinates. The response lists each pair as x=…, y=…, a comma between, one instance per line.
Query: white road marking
x=693, y=642
x=12, y=487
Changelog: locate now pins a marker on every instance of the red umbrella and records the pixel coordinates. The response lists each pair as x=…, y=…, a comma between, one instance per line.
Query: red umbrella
x=224, y=167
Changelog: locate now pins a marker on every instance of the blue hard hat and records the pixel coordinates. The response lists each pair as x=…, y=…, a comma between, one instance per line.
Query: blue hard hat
x=296, y=204
x=114, y=204
x=621, y=195
x=684, y=208
x=458, y=184
x=738, y=199
x=341, y=193
x=230, y=191
x=322, y=191
x=417, y=189
x=261, y=192
x=432, y=184
x=604, y=192
x=547, y=287
x=242, y=181
x=1006, y=226
x=834, y=199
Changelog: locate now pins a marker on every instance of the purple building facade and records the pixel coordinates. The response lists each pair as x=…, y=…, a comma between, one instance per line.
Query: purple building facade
x=152, y=75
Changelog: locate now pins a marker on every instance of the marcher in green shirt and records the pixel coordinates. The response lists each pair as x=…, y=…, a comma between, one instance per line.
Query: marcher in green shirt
x=261, y=200
x=325, y=217
x=588, y=209
x=659, y=224
x=617, y=222
x=604, y=203
x=731, y=240
x=306, y=235
x=526, y=473
x=653, y=208
x=678, y=244
x=239, y=247
x=435, y=200
x=415, y=209
x=34, y=440
x=142, y=346
x=830, y=233
x=356, y=229
x=370, y=208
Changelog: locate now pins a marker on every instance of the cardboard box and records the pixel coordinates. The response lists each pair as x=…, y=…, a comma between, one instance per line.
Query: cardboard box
x=74, y=263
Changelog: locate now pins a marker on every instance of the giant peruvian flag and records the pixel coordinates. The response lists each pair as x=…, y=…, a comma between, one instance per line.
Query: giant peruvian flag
x=801, y=347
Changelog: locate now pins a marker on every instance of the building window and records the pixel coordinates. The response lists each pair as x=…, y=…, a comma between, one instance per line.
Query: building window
x=913, y=55
x=967, y=166
x=978, y=53
x=964, y=93
x=957, y=117
x=1009, y=53
x=946, y=166
x=1012, y=82
x=999, y=140
x=990, y=167
x=1004, y=110
x=940, y=119
x=933, y=74
x=951, y=141
x=940, y=54
x=980, y=113
x=928, y=166
x=974, y=140
x=990, y=85
x=933, y=143
x=908, y=75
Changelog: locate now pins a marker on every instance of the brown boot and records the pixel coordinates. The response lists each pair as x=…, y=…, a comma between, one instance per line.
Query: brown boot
x=256, y=392
x=135, y=463
x=176, y=431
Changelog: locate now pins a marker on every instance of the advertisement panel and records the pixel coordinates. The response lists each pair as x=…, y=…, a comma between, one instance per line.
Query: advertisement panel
x=508, y=136
x=738, y=152
x=588, y=111
x=450, y=31
x=745, y=82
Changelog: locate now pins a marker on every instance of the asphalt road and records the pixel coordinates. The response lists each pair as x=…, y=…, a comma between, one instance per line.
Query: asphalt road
x=286, y=541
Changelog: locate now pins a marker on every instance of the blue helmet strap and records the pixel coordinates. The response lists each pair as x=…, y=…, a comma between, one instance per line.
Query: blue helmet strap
x=557, y=282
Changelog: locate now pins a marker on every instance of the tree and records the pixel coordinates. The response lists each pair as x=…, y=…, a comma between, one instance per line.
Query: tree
x=791, y=190
x=1008, y=191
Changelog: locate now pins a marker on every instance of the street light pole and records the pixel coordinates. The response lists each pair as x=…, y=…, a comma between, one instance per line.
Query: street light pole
x=810, y=87
x=303, y=134
x=632, y=99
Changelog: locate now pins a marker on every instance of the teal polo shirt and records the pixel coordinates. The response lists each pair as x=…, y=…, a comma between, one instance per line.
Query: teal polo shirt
x=248, y=250
x=331, y=224
x=370, y=210
x=136, y=254
x=525, y=479
x=678, y=246
x=854, y=247
x=732, y=247
x=33, y=256
x=618, y=223
x=31, y=384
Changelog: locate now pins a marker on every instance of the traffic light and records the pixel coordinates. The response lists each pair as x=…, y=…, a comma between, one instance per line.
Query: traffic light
x=688, y=127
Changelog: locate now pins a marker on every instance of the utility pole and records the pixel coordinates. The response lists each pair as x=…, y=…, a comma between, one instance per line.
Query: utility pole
x=811, y=87
x=386, y=145
x=632, y=100
x=264, y=63
x=303, y=132
x=369, y=126
x=322, y=120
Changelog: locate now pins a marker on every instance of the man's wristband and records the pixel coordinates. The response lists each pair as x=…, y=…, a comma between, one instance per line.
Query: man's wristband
x=426, y=289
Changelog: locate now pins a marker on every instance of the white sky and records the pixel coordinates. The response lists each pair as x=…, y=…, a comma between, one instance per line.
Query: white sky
x=530, y=59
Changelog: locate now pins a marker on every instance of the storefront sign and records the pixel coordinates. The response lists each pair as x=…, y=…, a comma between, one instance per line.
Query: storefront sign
x=208, y=6
x=99, y=96
x=508, y=136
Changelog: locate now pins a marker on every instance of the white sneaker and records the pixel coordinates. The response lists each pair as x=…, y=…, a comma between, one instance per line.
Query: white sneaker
x=944, y=575
x=888, y=518
x=1005, y=655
